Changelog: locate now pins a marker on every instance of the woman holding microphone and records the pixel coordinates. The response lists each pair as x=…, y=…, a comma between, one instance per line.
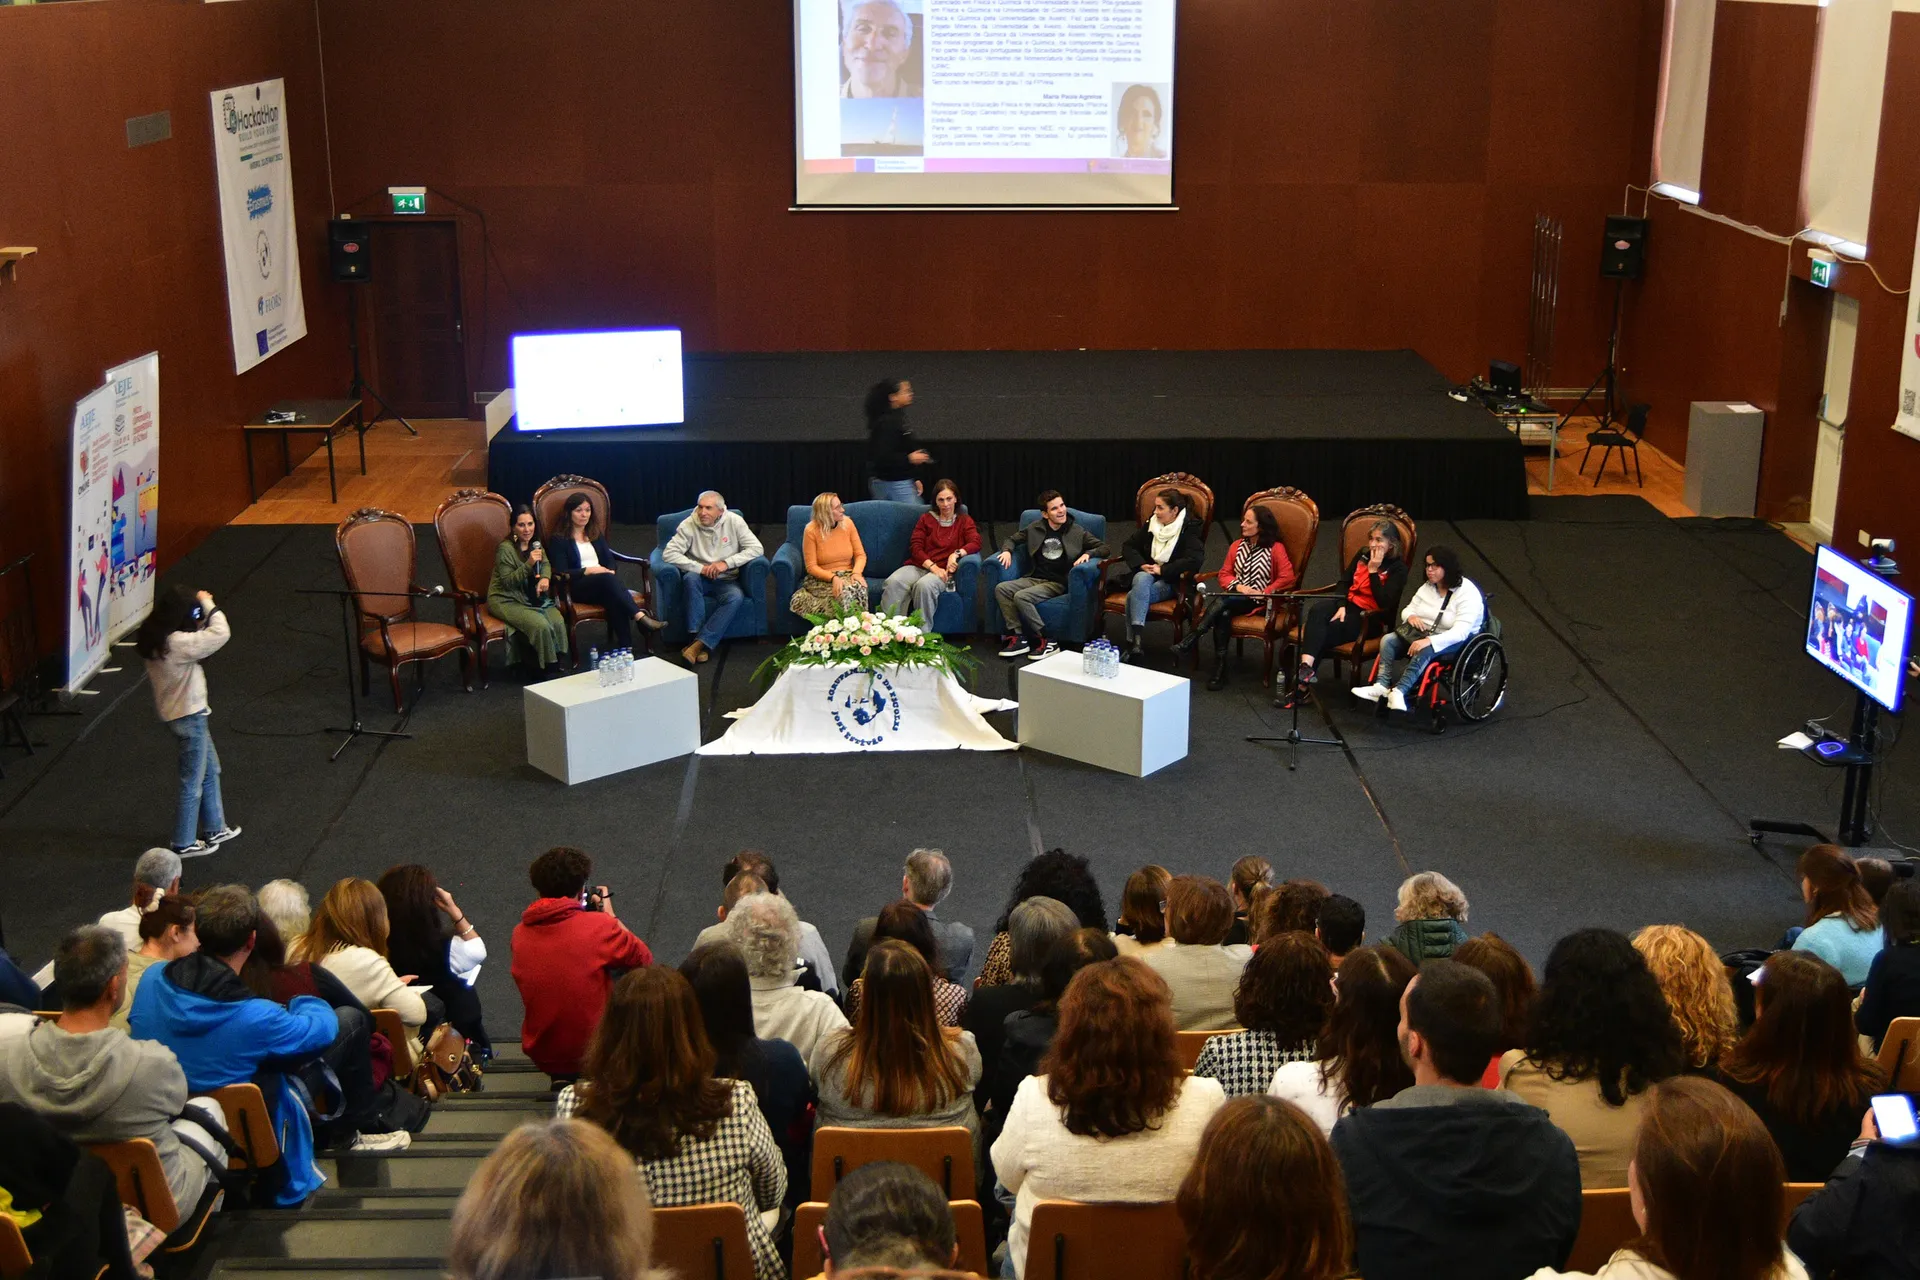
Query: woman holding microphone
x=520, y=594
x=184, y=628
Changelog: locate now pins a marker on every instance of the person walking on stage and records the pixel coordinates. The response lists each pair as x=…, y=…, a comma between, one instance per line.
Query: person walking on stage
x=579, y=550
x=892, y=452
x=1375, y=578
x=520, y=594
x=709, y=548
x=1056, y=543
x=184, y=628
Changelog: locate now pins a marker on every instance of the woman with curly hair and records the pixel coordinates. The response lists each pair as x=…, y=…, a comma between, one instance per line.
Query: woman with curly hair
x=1142, y=925
x=1512, y=978
x=1293, y=906
x=1026, y=1036
x=1283, y=999
x=1698, y=994
x=648, y=1081
x=1055, y=874
x=897, y=1067
x=1842, y=925
x=1433, y=915
x=1265, y=1199
x=1599, y=1037
x=1112, y=1117
x=1357, y=1060
x=1250, y=880
x=1799, y=1066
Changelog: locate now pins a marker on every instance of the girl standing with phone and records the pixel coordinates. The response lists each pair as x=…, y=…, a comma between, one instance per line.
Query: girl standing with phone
x=184, y=628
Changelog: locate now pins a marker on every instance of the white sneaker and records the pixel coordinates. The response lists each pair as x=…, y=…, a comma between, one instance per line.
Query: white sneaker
x=1371, y=692
x=223, y=835
x=1396, y=700
x=398, y=1141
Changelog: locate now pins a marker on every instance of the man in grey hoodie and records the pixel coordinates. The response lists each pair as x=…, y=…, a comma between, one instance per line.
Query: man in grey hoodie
x=92, y=1081
x=709, y=548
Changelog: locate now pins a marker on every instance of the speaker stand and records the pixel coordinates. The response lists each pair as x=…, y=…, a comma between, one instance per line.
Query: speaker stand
x=361, y=388
x=1610, y=376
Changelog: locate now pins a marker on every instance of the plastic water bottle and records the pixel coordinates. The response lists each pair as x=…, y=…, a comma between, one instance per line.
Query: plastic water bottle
x=599, y=671
x=1087, y=652
x=1110, y=660
x=626, y=666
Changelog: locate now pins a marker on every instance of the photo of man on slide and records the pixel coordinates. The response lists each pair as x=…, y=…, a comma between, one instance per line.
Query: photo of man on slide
x=1138, y=123
x=876, y=47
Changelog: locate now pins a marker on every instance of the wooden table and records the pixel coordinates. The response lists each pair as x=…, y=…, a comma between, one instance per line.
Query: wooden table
x=322, y=417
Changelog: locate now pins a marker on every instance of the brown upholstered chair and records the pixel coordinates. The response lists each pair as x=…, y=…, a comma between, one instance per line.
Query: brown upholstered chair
x=1358, y=654
x=703, y=1242
x=471, y=525
x=1072, y=1241
x=1113, y=580
x=1299, y=520
x=969, y=1230
x=376, y=550
x=549, y=500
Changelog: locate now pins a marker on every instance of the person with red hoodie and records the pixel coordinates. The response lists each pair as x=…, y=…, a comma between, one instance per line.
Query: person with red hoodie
x=567, y=951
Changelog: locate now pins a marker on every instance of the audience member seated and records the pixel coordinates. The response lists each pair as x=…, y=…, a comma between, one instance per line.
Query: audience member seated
x=348, y=938
x=1142, y=926
x=1375, y=579
x=157, y=872
x=1071, y=1134
x=775, y=1069
x=813, y=948
x=1341, y=928
x=836, y=563
x=897, y=1067
x=1878, y=875
x=1036, y=926
x=1893, y=979
x=1446, y=611
x=555, y=1200
x=1357, y=1058
x=567, y=950
x=1264, y=1199
x=285, y=903
x=1842, y=925
x=1433, y=915
x=1599, y=1037
x=1699, y=996
x=648, y=1080
x=888, y=1214
x=1799, y=1065
x=710, y=548
x=1250, y=880
x=925, y=882
x=1053, y=546
x=1160, y=553
x=1446, y=1179
x=1201, y=972
x=96, y=1084
x=166, y=933
x=430, y=937
x=1708, y=1193
x=1291, y=905
x=63, y=1200
x=767, y=932
x=904, y=921
x=1284, y=997
x=222, y=1033
x=1512, y=977
x=942, y=538
x=1056, y=874
x=1027, y=1036
x=1864, y=1224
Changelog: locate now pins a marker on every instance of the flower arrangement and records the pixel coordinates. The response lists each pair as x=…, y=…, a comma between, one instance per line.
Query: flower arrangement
x=868, y=640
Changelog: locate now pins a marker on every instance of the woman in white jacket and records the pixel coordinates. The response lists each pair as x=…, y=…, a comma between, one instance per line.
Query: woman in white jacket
x=1444, y=614
x=348, y=938
x=184, y=628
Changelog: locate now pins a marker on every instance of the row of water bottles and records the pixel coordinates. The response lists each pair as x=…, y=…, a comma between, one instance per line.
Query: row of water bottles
x=1101, y=658
x=615, y=667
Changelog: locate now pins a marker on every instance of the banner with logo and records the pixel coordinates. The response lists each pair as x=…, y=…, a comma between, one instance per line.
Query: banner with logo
x=847, y=708
x=256, y=220
x=89, y=559
x=134, y=487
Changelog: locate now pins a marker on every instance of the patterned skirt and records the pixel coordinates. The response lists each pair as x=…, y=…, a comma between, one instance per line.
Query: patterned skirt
x=816, y=596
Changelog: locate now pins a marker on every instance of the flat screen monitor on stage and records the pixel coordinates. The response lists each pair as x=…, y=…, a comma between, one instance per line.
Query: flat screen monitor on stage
x=1860, y=627
x=616, y=378
x=989, y=103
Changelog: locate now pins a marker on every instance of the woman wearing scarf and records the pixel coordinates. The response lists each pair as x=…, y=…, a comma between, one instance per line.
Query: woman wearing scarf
x=1164, y=549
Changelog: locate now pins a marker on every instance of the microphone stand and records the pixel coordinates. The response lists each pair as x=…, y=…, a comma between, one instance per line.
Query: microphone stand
x=1293, y=737
x=354, y=728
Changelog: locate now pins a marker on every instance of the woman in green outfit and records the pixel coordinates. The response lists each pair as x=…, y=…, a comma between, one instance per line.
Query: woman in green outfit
x=520, y=596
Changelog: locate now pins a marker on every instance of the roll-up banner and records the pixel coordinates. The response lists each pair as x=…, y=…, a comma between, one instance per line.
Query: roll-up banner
x=89, y=559
x=116, y=514
x=255, y=175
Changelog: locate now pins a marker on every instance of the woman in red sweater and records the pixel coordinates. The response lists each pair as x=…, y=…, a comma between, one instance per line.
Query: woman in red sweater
x=941, y=539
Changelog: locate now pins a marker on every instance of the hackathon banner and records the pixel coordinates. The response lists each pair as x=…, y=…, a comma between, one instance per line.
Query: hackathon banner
x=89, y=560
x=133, y=482
x=256, y=220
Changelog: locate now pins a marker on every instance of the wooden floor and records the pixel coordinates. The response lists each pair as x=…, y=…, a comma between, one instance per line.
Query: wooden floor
x=413, y=475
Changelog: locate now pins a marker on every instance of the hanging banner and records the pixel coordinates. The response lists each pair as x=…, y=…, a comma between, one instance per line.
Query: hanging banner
x=88, y=559
x=135, y=486
x=255, y=175
x=1908, y=420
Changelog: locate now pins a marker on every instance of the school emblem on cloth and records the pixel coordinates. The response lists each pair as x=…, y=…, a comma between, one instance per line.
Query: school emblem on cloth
x=865, y=707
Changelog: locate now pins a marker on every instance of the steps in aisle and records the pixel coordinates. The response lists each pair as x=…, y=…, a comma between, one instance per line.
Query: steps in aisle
x=383, y=1236
x=441, y=1164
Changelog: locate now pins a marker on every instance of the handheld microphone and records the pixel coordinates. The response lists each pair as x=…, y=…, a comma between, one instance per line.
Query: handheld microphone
x=438, y=590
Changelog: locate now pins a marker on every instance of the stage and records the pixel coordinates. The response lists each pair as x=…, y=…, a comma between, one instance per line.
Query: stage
x=1348, y=427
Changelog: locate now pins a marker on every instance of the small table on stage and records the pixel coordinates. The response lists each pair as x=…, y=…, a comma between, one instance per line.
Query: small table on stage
x=1534, y=423
x=579, y=729
x=1135, y=722
x=322, y=417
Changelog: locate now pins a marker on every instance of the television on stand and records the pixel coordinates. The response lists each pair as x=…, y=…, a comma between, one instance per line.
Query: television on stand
x=605, y=379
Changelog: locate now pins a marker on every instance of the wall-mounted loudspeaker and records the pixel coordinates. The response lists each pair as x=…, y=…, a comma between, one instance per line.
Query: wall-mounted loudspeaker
x=1623, y=253
x=348, y=250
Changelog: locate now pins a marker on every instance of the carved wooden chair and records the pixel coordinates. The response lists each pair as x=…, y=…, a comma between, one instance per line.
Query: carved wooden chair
x=377, y=558
x=1299, y=520
x=1358, y=654
x=471, y=525
x=1178, y=610
x=549, y=501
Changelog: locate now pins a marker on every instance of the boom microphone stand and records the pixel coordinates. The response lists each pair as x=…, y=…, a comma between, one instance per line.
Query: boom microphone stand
x=1293, y=737
x=354, y=728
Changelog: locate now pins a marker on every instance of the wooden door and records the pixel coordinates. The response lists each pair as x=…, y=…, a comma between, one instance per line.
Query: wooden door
x=419, y=344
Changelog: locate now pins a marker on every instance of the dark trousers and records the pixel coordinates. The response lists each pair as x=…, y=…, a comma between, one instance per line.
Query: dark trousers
x=1220, y=612
x=352, y=1061
x=83, y=1229
x=1322, y=633
x=605, y=590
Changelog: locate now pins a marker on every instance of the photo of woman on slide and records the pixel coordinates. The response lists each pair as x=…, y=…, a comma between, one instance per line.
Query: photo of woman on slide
x=1138, y=123
x=876, y=47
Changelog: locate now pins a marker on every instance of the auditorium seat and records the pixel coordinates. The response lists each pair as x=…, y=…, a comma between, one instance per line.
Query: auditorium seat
x=969, y=1228
x=15, y=1258
x=1070, y=618
x=1072, y=1241
x=944, y=1154
x=1114, y=580
x=885, y=530
x=378, y=560
x=1190, y=1043
x=671, y=607
x=703, y=1242
x=1900, y=1055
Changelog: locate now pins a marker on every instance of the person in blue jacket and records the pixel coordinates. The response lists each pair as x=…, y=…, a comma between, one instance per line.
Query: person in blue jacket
x=223, y=1034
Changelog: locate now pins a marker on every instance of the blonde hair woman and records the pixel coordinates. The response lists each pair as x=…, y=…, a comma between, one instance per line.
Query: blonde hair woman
x=558, y=1198
x=1433, y=914
x=348, y=938
x=836, y=562
x=1698, y=994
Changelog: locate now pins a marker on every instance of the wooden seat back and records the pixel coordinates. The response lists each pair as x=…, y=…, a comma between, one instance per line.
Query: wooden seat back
x=141, y=1181
x=250, y=1125
x=1072, y=1241
x=1900, y=1055
x=969, y=1233
x=15, y=1258
x=945, y=1155
x=1189, y=1044
x=703, y=1242
x=387, y=1022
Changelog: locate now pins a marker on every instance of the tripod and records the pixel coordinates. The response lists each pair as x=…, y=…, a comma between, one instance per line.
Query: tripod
x=1610, y=404
x=1293, y=737
x=354, y=728
x=361, y=389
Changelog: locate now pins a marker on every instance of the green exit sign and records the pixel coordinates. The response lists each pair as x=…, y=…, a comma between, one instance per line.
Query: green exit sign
x=408, y=199
x=1820, y=271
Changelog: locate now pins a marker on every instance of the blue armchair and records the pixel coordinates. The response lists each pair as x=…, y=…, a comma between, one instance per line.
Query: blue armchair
x=1070, y=618
x=885, y=529
x=671, y=602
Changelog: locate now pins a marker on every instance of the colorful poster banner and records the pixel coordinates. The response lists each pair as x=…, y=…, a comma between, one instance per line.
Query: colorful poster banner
x=89, y=559
x=134, y=483
x=1908, y=420
x=264, y=306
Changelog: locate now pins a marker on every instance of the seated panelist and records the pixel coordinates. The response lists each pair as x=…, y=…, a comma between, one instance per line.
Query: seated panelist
x=1055, y=544
x=579, y=550
x=1376, y=577
x=1443, y=615
x=1164, y=549
x=1256, y=565
x=836, y=562
x=710, y=547
x=942, y=538
x=520, y=594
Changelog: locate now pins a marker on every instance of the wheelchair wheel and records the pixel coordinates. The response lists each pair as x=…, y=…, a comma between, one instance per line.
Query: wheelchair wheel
x=1479, y=679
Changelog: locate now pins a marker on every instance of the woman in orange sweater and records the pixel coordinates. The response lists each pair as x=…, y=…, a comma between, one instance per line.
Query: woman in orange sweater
x=836, y=562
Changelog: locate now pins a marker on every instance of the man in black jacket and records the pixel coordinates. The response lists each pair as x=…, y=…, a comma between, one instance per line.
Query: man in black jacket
x=1864, y=1224
x=1056, y=544
x=1447, y=1179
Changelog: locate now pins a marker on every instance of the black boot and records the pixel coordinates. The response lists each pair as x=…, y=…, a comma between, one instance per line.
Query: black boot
x=1219, y=680
x=1135, y=651
x=1186, y=644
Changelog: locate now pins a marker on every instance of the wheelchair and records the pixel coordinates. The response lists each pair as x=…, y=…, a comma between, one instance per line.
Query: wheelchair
x=1470, y=682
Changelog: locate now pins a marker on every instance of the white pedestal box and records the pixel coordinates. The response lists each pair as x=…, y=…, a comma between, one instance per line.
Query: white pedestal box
x=578, y=731
x=1134, y=723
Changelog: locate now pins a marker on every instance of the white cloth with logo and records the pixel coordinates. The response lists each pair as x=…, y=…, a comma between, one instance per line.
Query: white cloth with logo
x=817, y=709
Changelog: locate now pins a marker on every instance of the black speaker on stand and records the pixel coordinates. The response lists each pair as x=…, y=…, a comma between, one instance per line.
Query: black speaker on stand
x=350, y=255
x=1623, y=257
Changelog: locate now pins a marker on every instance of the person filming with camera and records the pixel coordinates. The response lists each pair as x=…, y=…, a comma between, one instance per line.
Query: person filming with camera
x=184, y=628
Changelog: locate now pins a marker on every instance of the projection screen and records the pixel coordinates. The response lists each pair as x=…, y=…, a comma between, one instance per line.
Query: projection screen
x=983, y=103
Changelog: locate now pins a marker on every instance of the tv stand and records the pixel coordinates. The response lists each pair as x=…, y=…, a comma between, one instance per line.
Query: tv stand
x=1858, y=757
